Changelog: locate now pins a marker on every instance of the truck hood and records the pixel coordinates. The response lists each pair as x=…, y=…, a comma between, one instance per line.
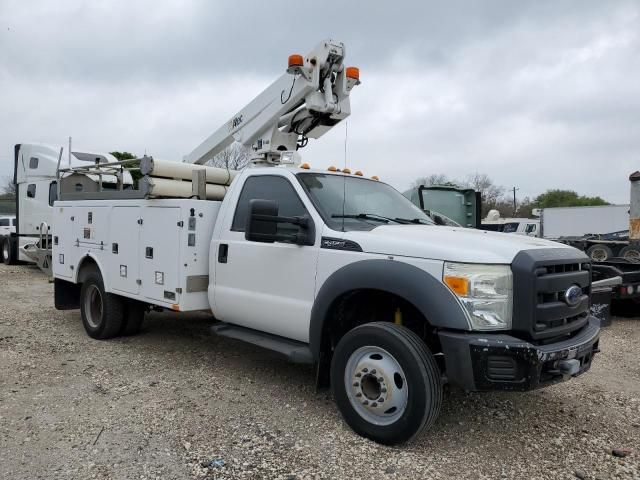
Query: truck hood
x=447, y=243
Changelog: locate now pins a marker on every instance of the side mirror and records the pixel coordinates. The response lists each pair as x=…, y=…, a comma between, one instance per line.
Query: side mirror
x=262, y=225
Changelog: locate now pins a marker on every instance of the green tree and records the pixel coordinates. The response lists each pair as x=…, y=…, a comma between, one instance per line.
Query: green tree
x=566, y=198
x=122, y=157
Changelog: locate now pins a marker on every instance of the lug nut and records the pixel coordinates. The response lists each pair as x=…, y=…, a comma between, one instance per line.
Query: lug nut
x=380, y=379
x=355, y=384
x=383, y=390
x=380, y=400
x=358, y=374
x=358, y=394
x=366, y=402
x=365, y=370
x=374, y=404
x=373, y=372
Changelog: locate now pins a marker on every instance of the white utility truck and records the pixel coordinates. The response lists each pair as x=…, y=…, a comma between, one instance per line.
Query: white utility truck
x=326, y=267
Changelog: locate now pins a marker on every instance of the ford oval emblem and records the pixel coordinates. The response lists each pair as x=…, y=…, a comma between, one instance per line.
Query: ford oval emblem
x=573, y=295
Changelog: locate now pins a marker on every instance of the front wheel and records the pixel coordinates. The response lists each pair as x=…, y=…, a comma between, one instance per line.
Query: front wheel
x=8, y=252
x=386, y=382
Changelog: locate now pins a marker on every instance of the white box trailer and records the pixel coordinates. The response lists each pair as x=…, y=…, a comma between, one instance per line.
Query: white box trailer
x=579, y=221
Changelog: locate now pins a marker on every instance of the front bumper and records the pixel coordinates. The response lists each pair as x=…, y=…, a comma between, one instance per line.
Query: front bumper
x=479, y=361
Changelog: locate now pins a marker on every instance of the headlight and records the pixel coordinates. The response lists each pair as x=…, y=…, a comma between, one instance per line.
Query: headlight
x=486, y=291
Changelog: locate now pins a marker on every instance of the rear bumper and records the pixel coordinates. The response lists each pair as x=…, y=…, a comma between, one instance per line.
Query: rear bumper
x=480, y=362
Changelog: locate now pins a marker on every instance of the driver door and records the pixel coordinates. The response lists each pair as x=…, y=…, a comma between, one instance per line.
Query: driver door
x=266, y=286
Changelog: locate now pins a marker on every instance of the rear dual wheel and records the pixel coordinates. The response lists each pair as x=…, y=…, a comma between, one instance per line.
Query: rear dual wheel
x=106, y=315
x=386, y=382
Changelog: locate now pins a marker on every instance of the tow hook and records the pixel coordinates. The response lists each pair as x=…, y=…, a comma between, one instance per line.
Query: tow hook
x=569, y=367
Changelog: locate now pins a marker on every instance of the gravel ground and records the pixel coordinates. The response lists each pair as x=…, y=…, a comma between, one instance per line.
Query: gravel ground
x=173, y=400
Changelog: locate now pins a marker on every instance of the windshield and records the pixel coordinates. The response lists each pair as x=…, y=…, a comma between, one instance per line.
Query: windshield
x=367, y=203
x=510, y=227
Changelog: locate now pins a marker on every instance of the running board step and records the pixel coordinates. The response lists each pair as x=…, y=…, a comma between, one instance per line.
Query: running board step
x=296, y=352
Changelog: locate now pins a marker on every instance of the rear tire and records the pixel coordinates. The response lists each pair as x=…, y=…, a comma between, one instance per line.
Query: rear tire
x=599, y=253
x=102, y=313
x=630, y=253
x=134, y=316
x=386, y=382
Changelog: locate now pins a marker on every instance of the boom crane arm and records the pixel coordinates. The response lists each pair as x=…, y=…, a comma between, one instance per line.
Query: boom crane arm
x=305, y=102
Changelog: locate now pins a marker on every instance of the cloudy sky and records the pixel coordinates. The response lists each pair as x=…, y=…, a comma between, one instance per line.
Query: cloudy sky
x=535, y=94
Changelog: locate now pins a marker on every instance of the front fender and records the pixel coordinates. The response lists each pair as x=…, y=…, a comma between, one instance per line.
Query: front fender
x=428, y=294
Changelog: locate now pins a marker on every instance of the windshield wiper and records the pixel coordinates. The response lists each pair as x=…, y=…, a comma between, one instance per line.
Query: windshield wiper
x=417, y=221
x=368, y=216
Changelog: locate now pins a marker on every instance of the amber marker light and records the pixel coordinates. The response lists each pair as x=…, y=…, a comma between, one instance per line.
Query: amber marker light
x=353, y=73
x=296, y=60
x=458, y=285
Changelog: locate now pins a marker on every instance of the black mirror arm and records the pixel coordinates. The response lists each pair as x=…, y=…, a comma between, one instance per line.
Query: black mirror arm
x=300, y=221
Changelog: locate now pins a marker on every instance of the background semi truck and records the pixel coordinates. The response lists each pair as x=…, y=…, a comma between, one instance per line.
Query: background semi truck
x=36, y=171
x=324, y=267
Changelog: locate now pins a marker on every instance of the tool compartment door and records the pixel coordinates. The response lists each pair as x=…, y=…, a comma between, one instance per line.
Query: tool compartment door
x=124, y=249
x=160, y=255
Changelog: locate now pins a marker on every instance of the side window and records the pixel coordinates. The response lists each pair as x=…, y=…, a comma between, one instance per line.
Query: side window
x=531, y=227
x=33, y=162
x=4, y=222
x=53, y=193
x=15, y=222
x=31, y=190
x=268, y=187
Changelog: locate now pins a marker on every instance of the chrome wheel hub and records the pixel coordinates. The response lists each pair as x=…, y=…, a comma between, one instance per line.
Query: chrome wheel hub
x=376, y=385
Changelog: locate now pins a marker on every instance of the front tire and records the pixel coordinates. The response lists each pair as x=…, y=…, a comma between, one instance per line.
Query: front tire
x=102, y=313
x=8, y=252
x=386, y=382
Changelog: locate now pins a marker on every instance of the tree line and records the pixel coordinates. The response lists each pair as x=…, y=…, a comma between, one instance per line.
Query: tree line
x=497, y=197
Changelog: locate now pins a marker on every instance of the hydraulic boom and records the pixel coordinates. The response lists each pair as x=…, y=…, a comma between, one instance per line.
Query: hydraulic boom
x=305, y=102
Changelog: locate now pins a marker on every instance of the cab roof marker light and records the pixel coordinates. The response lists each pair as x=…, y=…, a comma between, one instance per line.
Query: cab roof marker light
x=332, y=169
x=358, y=173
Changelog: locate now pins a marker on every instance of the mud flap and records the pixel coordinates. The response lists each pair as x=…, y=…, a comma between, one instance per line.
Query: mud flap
x=66, y=295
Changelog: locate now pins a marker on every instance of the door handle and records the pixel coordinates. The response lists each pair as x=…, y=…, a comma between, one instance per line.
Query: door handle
x=223, y=252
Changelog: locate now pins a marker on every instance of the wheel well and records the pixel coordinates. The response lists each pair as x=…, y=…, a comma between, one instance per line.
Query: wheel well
x=87, y=265
x=364, y=306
